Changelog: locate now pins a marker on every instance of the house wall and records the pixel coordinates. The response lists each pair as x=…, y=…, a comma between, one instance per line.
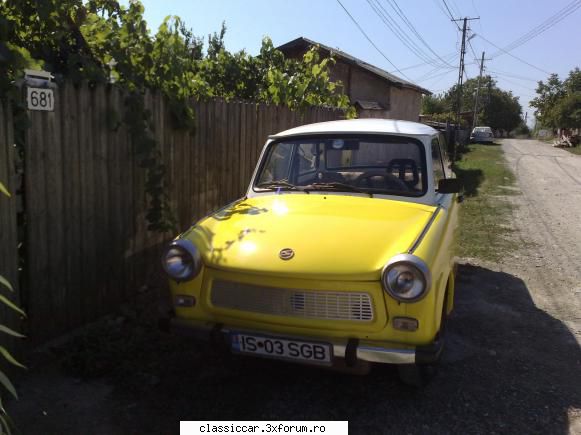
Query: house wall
x=360, y=84
x=405, y=104
x=367, y=86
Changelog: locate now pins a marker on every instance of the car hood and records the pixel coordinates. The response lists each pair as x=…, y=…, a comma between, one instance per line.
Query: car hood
x=332, y=236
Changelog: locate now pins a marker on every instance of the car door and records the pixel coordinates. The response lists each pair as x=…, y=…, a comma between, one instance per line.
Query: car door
x=449, y=207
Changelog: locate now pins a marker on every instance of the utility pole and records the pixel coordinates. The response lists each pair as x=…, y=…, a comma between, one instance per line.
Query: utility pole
x=475, y=116
x=460, y=75
x=461, y=71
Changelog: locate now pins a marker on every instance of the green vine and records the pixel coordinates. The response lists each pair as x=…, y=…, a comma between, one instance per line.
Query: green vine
x=137, y=117
x=101, y=41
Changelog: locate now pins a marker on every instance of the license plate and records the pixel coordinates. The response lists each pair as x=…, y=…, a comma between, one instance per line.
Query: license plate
x=274, y=347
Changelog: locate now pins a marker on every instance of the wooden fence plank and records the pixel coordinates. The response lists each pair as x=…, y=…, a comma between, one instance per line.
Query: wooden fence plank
x=89, y=246
x=72, y=204
x=53, y=161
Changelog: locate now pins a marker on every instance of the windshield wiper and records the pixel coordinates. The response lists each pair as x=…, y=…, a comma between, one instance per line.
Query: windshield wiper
x=280, y=184
x=336, y=185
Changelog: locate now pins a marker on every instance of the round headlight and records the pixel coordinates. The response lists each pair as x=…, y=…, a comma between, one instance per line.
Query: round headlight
x=181, y=260
x=406, y=278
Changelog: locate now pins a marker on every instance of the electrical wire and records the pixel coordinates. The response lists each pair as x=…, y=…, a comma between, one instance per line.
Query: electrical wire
x=451, y=15
x=543, y=27
x=370, y=40
x=409, y=24
x=496, y=71
x=399, y=33
x=512, y=55
x=434, y=76
x=450, y=57
x=515, y=83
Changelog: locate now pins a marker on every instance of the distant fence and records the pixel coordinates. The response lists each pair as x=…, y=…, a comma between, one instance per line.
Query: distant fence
x=88, y=248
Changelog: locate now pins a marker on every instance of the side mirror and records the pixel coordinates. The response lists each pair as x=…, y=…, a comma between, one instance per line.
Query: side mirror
x=449, y=185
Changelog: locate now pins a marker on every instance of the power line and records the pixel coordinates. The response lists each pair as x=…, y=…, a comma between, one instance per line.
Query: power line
x=512, y=55
x=370, y=40
x=409, y=24
x=515, y=83
x=449, y=56
x=451, y=15
x=399, y=33
x=472, y=49
x=497, y=71
x=435, y=76
x=431, y=73
x=544, y=26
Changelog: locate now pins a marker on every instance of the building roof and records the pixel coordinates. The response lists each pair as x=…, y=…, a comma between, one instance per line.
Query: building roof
x=302, y=42
x=362, y=125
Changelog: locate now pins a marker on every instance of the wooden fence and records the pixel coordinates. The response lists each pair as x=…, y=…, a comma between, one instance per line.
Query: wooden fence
x=88, y=247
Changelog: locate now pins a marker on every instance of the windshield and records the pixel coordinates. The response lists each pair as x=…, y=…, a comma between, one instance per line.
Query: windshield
x=368, y=164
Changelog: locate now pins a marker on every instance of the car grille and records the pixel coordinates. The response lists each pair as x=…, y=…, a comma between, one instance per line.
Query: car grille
x=310, y=304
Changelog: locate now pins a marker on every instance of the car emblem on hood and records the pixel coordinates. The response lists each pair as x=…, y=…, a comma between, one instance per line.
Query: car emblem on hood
x=286, y=254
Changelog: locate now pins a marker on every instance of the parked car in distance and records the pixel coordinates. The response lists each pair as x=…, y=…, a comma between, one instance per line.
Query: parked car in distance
x=482, y=134
x=340, y=254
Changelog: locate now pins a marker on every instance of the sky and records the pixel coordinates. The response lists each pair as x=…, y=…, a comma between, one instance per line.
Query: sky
x=556, y=50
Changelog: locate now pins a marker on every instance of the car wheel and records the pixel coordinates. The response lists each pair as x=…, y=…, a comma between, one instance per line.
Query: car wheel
x=417, y=375
x=420, y=374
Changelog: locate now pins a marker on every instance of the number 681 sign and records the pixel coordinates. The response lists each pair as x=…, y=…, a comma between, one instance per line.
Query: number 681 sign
x=40, y=99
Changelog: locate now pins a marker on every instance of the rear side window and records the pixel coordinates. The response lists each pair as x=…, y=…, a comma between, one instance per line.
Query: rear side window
x=437, y=162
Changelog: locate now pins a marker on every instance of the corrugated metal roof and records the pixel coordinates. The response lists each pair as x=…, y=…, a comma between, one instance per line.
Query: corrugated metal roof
x=302, y=42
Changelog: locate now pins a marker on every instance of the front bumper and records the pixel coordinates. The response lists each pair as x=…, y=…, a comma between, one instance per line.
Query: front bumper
x=351, y=350
x=480, y=139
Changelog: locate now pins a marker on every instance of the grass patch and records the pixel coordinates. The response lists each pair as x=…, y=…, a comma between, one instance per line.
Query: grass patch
x=574, y=150
x=486, y=229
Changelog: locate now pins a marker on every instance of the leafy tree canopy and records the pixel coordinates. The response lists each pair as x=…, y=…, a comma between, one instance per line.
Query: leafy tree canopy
x=497, y=108
x=101, y=40
x=558, y=103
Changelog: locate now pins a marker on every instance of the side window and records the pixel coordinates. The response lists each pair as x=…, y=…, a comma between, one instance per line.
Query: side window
x=277, y=164
x=437, y=162
x=307, y=156
x=445, y=157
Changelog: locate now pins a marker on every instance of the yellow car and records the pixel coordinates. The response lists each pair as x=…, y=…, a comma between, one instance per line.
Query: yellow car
x=340, y=254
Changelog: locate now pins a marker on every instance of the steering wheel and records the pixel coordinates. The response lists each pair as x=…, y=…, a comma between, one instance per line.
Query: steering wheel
x=391, y=181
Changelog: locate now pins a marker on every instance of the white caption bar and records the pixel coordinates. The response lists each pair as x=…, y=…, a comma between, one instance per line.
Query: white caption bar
x=264, y=427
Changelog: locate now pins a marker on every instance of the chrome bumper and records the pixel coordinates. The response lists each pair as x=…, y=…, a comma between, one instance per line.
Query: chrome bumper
x=352, y=350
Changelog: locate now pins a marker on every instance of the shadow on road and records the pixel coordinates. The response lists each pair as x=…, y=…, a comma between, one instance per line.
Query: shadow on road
x=470, y=179
x=508, y=368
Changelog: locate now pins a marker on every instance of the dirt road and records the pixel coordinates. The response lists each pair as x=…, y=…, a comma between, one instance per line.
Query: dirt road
x=512, y=363
x=548, y=217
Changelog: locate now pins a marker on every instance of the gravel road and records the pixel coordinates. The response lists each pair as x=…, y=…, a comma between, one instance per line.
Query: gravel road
x=512, y=364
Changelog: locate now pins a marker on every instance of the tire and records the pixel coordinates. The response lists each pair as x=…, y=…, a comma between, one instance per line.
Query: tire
x=420, y=374
x=417, y=375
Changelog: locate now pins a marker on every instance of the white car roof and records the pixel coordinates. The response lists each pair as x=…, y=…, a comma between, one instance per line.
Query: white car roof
x=370, y=125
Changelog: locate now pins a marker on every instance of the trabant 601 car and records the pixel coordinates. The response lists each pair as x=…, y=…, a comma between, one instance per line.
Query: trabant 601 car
x=340, y=254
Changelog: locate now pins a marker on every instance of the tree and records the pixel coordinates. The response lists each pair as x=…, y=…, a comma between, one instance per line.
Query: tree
x=558, y=102
x=548, y=95
x=502, y=111
x=497, y=108
x=567, y=111
x=99, y=41
x=432, y=104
